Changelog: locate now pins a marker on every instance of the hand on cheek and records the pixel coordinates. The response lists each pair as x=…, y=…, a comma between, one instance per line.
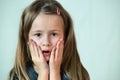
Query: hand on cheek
x=56, y=57
x=38, y=59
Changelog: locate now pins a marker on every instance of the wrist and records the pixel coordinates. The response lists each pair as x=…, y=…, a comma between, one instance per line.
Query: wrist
x=40, y=71
x=43, y=73
x=55, y=72
x=55, y=75
x=43, y=76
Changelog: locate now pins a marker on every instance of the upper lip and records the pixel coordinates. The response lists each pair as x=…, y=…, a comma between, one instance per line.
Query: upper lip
x=46, y=51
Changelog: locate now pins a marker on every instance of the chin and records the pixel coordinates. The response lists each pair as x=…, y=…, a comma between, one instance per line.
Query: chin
x=47, y=58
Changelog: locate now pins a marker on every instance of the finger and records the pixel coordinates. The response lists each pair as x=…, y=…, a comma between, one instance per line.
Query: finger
x=35, y=49
x=40, y=53
x=57, y=50
x=52, y=56
x=31, y=49
x=61, y=49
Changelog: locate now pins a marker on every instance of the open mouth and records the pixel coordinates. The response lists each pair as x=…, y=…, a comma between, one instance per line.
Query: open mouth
x=46, y=53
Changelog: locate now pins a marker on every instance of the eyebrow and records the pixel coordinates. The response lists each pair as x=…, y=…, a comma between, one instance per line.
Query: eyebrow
x=54, y=30
x=36, y=31
x=48, y=31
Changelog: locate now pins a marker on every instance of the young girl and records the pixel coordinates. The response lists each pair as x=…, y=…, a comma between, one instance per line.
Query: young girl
x=46, y=48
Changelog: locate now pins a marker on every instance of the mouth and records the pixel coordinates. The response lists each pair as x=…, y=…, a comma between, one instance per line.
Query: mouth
x=46, y=53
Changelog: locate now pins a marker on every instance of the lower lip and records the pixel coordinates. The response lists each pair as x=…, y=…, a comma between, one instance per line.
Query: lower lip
x=46, y=54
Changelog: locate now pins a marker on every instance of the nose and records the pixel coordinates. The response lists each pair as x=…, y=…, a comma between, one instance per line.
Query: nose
x=46, y=41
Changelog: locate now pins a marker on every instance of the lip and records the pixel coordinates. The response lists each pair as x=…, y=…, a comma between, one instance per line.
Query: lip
x=46, y=52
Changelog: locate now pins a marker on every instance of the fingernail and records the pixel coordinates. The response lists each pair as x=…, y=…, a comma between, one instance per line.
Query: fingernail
x=30, y=40
x=63, y=41
x=35, y=43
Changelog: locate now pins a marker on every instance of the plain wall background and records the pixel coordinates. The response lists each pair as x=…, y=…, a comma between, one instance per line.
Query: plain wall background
x=97, y=28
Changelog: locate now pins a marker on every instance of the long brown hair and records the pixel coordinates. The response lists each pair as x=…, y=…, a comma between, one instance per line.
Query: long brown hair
x=71, y=64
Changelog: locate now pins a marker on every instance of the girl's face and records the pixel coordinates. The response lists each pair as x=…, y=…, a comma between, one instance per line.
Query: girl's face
x=46, y=30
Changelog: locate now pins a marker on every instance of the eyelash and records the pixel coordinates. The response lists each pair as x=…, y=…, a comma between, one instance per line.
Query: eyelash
x=54, y=34
x=38, y=34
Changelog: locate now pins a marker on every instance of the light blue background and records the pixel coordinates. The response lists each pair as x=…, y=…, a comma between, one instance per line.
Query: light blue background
x=97, y=28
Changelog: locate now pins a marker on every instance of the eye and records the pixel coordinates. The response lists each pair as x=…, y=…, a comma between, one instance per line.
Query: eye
x=38, y=34
x=54, y=34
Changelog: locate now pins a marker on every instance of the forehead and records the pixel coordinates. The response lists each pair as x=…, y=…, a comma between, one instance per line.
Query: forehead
x=47, y=21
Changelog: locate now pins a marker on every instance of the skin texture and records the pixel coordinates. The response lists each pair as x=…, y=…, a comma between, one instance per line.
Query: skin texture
x=47, y=34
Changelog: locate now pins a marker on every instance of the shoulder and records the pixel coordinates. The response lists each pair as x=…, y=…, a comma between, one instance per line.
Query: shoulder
x=31, y=73
x=64, y=76
x=29, y=70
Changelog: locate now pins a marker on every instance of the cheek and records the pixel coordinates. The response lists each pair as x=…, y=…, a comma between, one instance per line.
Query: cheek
x=54, y=41
x=34, y=39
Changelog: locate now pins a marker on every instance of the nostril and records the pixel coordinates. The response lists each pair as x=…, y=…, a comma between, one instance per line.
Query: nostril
x=45, y=43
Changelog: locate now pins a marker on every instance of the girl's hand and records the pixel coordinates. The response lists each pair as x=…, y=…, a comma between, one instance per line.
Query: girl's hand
x=56, y=60
x=40, y=64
